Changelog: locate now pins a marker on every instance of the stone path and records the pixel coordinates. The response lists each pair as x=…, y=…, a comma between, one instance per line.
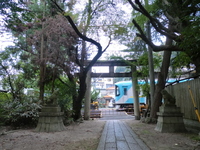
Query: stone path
x=117, y=135
x=112, y=114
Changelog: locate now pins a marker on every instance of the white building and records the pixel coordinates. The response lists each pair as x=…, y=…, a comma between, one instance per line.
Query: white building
x=102, y=84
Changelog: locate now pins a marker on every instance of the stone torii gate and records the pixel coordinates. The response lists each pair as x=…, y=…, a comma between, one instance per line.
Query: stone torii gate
x=111, y=65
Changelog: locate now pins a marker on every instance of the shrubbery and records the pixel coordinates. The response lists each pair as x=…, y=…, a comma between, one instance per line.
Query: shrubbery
x=4, y=98
x=20, y=113
x=25, y=112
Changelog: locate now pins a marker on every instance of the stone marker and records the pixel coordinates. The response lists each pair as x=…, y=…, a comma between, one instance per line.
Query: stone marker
x=50, y=119
x=170, y=118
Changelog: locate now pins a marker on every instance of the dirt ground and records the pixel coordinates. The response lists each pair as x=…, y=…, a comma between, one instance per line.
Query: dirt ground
x=164, y=141
x=85, y=136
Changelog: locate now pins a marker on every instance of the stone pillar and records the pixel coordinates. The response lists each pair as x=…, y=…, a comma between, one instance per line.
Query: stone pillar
x=170, y=119
x=50, y=119
x=136, y=102
x=87, y=97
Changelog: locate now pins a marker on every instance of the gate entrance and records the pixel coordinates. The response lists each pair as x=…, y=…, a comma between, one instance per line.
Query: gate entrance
x=109, y=112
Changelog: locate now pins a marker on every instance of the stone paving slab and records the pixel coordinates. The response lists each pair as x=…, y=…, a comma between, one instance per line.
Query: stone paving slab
x=117, y=135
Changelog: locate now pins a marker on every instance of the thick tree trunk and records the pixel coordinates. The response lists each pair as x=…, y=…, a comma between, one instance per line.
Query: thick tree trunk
x=157, y=97
x=77, y=103
x=161, y=81
x=151, y=67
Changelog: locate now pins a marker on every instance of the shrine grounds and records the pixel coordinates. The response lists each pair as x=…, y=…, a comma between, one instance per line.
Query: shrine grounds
x=86, y=135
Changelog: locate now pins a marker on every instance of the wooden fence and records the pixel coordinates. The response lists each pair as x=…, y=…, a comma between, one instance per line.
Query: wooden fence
x=183, y=98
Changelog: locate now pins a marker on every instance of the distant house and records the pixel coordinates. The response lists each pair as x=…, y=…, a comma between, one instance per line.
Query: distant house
x=103, y=85
x=111, y=91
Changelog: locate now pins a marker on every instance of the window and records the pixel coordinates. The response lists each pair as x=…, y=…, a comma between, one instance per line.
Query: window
x=125, y=91
x=117, y=93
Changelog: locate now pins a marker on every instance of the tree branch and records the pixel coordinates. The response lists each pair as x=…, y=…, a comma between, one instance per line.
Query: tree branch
x=98, y=55
x=9, y=80
x=134, y=6
x=76, y=29
x=155, y=23
x=107, y=45
x=63, y=82
x=151, y=44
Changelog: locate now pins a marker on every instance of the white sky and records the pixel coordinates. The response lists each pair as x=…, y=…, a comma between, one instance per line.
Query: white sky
x=6, y=39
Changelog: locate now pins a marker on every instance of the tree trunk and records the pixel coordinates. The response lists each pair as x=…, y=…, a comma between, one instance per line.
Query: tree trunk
x=161, y=81
x=151, y=67
x=42, y=64
x=42, y=74
x=77, y=103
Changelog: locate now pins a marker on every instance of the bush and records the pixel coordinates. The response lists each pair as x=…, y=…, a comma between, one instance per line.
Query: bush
x=22, y=113
x=4, y=97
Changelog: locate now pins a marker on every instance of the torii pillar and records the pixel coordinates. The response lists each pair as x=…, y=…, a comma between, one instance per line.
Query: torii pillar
x=87, y=97
x=135, y=94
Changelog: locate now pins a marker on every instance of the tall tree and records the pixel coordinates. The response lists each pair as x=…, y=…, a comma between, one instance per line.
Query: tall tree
x=44, y=39
x=89, y=25
x=176, y=18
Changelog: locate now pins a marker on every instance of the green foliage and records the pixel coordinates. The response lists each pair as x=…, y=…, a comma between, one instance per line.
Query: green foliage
x=12, y=5
x=186, y=24
x=191, y=38
x=180, y=59
x=195, y=137
x=145, y=88
x=94, y=94
x=4, y=97
x=21, y=113
x=66, y=90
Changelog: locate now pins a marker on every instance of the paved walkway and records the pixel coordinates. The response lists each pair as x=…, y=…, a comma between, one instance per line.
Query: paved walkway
x=112, y=114
x=117, y=135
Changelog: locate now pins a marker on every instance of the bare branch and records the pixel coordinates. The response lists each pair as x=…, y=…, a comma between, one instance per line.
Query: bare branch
x=77, y=60
x=107, y=45
x=76, y=29
x=155, y=23
x=98, y=55
x=151, y=44
x=134, y=6
x=142, y=35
